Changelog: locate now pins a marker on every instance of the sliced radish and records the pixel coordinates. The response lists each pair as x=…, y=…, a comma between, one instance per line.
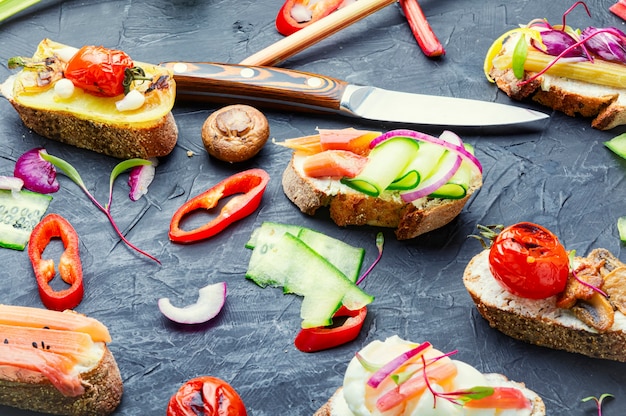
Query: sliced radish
x=140, y=178
x=394, y=364
x=210, y=301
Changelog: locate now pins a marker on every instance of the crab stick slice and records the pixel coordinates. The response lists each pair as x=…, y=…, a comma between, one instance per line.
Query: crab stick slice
x=44, y=318
x=76, y=346
x=56, y=368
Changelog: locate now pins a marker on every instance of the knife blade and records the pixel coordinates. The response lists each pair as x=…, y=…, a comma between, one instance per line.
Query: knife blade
x=286, y=88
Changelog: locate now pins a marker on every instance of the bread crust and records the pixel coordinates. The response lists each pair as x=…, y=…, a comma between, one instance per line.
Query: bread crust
x=119, y=141
x=354, y=208
x=541, y=323
x=103, y=392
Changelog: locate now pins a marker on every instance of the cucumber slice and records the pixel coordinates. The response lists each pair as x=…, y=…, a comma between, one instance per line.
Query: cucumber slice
x=618, y=145
x=457, y=186
x=292, y=264
x=269, y=230
x=19, y=214
x=348, y=259
x=408, y=180
x=621, y=228
x=386, y=162
x=424, y=163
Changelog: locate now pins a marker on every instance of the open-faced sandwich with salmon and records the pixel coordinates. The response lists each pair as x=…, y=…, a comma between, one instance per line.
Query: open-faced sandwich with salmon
x=403, y=179
x=526, y=285
x=577, y=72
x=57, y=362
x=395, y=377
x=95, y=98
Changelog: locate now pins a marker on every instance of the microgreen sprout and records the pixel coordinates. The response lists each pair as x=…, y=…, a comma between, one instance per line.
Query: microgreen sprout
x=572, y=254
x=455, y=397
x=598, y=401
x=380, y=240
x=72, y=173
x=487, y=233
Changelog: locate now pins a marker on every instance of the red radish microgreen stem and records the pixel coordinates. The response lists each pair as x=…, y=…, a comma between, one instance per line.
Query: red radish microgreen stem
x=562, y=54
x=394, y=364
x=380, y=240
x=455, y=397
x=568, y=11
x=598, y=401
x=72, y=173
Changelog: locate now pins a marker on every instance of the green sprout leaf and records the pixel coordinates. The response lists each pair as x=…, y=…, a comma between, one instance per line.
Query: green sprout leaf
x=120, y=168
x=519, y=57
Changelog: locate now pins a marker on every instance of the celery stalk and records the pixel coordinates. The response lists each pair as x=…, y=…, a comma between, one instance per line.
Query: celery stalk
x=597, y=72
x=9, y=8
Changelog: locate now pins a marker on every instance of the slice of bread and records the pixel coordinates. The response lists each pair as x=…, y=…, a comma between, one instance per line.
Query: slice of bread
x=336, y=405
x=102, y=383
x=93, y=122
x=350, y=207
x=540, y=322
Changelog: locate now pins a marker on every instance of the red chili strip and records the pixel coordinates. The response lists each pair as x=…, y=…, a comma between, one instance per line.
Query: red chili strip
x=325, y=337
x=70, y=267
x=287, y=24
x=619, y=9
x=428, y=42
x=250, y=185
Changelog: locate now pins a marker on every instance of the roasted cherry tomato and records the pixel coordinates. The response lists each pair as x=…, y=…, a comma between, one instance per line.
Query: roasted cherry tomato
x=529, y=261
x=207, y=396
x=99, y=70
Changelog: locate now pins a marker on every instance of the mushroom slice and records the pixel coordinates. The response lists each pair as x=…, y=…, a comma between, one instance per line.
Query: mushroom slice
x=615, y=286
x=596, y=312
x=605, y=260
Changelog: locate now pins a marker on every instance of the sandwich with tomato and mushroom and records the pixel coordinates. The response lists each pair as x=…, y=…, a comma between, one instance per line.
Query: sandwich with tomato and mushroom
x=526, y=285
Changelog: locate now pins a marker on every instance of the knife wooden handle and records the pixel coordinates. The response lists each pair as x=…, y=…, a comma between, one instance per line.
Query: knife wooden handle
x=259, y=83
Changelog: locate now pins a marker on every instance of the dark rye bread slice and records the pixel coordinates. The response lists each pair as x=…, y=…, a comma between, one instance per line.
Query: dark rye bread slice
x=103, y=392
x=335, y=406
x=122, y=141
x=539, y=322
x=350, y=207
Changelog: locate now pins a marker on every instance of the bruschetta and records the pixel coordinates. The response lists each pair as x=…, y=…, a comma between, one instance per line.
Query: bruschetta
x=398, y=377
x=57, y=362
x=125, y=112
x=402, y=179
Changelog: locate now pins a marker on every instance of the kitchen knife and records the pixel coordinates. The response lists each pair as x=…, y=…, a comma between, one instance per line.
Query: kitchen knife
x=285, y=88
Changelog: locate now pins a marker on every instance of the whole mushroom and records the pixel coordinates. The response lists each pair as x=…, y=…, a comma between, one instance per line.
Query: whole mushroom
x=235, y=133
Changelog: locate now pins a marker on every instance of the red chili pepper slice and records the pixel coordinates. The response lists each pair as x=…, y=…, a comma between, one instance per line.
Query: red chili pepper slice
x=209, y=396
x=250, y=184
x=325, y=337
x=70, y=267
x=99, y=70
x=288, y=22
x=423, y=33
